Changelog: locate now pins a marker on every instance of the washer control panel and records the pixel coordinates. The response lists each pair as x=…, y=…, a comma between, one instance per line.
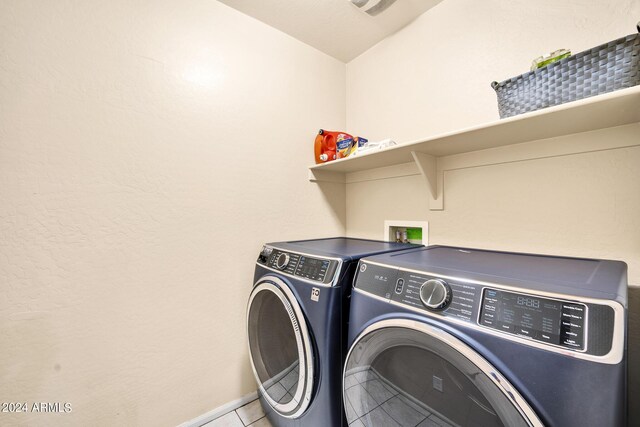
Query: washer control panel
x=316, y=269
x=435, y=294
x=542, y=319
x=572, y=325
x=449, y=298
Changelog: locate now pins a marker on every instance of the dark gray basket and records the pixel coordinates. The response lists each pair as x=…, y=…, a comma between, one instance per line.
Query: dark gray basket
x=608, y=67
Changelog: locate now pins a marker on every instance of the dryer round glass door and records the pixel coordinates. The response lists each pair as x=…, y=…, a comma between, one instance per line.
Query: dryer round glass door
x=280, y=347
x=407, y=373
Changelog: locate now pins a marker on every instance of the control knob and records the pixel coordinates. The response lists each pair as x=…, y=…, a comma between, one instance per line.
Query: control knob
x=435, y=294
x=282, y=261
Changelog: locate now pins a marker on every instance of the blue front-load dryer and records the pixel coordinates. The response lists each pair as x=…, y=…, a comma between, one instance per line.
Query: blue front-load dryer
x=296, y=324
x=443, y=336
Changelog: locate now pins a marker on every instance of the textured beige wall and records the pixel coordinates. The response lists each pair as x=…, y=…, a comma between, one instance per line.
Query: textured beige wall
x=585, y=205
x=147, y=149
x=433, y=76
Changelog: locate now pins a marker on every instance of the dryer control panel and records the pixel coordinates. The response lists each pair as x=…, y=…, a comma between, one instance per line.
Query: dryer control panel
x=315, y=269
x=563, y=324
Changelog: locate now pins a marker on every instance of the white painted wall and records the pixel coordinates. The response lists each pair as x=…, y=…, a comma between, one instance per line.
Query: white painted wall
x=434, y=76
x=147, y=150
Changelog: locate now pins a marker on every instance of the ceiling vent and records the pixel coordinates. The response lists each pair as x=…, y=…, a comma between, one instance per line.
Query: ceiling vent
x=372, y=7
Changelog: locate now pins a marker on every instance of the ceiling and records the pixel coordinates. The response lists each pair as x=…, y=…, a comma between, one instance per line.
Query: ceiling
x=335, y=27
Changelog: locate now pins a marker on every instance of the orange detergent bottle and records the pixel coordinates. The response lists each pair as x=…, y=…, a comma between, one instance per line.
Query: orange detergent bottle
x=325, y=144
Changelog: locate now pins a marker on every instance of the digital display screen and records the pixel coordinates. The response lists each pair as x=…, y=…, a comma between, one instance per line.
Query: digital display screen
x=312, y=268
x=542, y=319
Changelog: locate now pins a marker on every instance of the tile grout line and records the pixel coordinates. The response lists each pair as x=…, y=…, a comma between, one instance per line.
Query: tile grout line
x=250, y=423
x=239, y=417
x=264, y=416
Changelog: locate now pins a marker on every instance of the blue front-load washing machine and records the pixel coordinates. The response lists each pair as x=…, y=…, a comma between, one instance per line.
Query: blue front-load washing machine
x=296, y=325
x=443, y=336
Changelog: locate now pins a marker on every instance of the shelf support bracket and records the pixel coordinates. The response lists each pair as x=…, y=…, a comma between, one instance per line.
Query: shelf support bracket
x=326, y=176
x=428, y=167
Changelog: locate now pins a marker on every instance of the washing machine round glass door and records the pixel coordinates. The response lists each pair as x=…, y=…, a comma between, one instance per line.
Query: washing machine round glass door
x=280, y=347
x=407, y=373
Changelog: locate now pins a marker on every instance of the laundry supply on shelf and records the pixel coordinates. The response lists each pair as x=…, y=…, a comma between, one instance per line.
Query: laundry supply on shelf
x=348, y=148
x=368, y=146
x=326, y=144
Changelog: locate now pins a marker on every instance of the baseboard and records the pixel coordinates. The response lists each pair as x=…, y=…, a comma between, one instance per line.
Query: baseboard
x=220, y=410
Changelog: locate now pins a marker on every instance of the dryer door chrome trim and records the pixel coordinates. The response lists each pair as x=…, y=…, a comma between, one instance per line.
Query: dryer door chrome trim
x=510, y=393
x=302, y=396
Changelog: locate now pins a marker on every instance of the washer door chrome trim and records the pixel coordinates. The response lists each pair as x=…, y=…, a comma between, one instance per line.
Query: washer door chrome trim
x=489, y=370
x=302, y=396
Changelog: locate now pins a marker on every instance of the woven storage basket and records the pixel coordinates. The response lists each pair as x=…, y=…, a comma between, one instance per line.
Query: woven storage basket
x=608, y=67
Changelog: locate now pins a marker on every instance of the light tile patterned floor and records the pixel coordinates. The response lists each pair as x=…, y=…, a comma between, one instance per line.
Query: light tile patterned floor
x=285, y=388
x=249, y=415
x=374, y=402
x=371, y=402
